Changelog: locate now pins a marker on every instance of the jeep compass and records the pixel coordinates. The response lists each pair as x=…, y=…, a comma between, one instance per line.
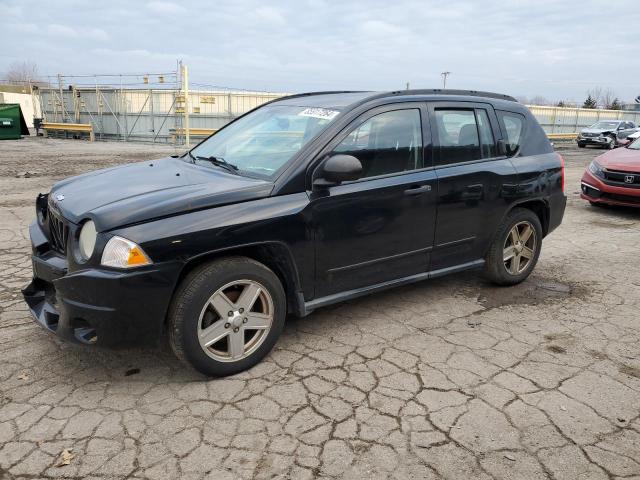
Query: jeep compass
x=303, y=202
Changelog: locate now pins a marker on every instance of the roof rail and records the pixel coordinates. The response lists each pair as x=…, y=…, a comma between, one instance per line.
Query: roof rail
x=327, y=92
x=441, y=91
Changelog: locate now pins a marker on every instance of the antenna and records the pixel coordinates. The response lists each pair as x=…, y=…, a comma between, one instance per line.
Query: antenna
x=444, y=78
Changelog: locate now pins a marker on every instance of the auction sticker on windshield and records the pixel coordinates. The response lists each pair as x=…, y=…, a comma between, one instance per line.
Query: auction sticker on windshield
x=319, y=113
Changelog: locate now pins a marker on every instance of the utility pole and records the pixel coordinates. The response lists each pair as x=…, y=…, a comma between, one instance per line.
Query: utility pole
x=444, y=78
x=185, y=91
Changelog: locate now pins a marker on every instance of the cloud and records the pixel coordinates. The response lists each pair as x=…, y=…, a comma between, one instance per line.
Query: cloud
x=525, y=47
x=270, y=15
x=57, y=30
x=166, y=8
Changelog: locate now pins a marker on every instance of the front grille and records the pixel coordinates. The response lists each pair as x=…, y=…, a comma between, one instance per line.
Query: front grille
x=58, y=232
x=590, y=135
x=619, y=178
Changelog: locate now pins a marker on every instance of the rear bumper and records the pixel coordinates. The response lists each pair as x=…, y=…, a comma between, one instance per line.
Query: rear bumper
x=95, y=306
x=557, y=205
x=596, y=191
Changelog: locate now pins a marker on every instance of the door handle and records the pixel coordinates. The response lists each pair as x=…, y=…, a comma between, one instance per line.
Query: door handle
x=417, y=190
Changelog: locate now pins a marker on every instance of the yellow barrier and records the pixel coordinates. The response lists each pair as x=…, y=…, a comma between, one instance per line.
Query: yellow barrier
x=68, y=127
x=561, y=136
x=195, y=132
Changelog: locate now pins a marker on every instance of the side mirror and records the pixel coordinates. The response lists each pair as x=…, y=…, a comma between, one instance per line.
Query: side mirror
x=337, y=169
x=502, y=148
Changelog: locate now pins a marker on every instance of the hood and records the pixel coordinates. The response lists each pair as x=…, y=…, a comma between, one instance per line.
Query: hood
x=596, y=130
x=138, y=192
x=624, y=159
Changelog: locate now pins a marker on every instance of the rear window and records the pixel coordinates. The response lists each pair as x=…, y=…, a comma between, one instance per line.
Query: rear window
x=512, y=125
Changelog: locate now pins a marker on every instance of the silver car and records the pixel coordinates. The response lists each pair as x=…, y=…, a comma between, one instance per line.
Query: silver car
x=606, y=133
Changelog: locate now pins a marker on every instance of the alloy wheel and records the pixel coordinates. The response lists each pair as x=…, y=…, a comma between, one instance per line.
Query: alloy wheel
x=235, y=321
x=519, y=248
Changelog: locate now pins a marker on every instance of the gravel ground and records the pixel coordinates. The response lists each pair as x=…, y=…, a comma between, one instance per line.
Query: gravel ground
x=452, y=378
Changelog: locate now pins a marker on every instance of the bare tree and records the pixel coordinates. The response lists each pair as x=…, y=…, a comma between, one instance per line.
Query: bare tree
x=539, y=100
x=604, y=97
x=608, y=98
x=23, y=73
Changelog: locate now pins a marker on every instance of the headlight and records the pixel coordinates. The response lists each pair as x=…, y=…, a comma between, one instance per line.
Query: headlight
x=596, y=169
x=122, y=253
x=87, y=240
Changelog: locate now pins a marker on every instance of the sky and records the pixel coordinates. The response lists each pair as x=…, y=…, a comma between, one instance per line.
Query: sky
x=555, y=49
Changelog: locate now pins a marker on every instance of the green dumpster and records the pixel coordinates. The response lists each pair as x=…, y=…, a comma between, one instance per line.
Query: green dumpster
x=12, y=124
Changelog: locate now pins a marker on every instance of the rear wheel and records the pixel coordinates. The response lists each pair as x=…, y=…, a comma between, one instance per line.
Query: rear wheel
x=226, y=316
x=515, y=249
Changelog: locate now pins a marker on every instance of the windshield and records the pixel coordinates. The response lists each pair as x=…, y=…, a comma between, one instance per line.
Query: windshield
x=605, y=125
x=264, y=140
x=635, y=145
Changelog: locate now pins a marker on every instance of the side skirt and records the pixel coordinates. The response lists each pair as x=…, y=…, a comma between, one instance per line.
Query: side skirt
x=311, y=305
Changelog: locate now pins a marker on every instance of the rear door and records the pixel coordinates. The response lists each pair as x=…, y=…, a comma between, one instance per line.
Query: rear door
x=475, y=182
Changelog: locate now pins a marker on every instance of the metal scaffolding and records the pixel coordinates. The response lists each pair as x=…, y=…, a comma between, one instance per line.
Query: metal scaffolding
x=145, y=107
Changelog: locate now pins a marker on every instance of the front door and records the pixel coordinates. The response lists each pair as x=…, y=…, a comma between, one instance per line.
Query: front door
x=380, y=227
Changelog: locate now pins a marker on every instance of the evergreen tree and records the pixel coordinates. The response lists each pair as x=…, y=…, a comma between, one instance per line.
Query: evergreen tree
x=590, y=102
x=615, y=104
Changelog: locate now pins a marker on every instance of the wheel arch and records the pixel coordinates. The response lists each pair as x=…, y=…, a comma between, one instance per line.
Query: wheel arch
x=538, y=206
x=274, y=255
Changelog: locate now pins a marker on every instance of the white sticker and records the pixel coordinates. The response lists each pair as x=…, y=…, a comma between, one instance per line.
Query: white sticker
x=6, y=123
x=323, y=113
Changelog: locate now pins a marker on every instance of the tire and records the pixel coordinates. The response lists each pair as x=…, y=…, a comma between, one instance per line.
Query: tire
x=223, y=283
x=611, y=145
x=581, y=145
x=506, y=272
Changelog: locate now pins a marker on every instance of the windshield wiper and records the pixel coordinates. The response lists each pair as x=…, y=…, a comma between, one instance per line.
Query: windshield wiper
x=219, y=162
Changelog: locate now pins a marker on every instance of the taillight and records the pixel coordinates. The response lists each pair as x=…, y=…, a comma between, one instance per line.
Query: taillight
x=561, y=171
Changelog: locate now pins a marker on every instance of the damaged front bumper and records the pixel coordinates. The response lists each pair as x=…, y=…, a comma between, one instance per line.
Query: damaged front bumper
x=96, y=306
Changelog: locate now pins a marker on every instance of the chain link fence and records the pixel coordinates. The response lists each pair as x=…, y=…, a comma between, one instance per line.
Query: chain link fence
x=157, y=115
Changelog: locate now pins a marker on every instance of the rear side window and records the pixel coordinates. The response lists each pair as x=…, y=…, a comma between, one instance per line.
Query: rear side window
x=513, y=125
x=464, y=135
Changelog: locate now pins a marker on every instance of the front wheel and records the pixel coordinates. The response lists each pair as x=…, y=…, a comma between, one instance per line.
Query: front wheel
x=515, y=249
x=612, y=143
x=226, y=316
x=581, y=145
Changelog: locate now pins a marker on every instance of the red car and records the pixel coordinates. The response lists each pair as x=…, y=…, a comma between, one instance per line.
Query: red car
x=614, y=177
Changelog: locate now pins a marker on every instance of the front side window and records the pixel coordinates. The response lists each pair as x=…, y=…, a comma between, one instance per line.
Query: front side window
x=264, y=140
x=389, y=142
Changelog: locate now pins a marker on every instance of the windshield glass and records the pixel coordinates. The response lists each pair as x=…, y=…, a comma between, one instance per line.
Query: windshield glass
x=605, y=125
x=635, y=145
x=263, y=141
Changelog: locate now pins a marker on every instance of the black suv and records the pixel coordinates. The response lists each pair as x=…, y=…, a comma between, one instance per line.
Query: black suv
x=303, y=202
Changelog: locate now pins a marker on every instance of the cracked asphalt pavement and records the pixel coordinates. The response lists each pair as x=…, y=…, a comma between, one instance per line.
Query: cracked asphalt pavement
x=452, y=378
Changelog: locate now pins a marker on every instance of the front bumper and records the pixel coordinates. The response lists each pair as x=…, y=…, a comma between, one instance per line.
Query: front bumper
x=601, y=141
x=595, y=190
x=97, y=306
